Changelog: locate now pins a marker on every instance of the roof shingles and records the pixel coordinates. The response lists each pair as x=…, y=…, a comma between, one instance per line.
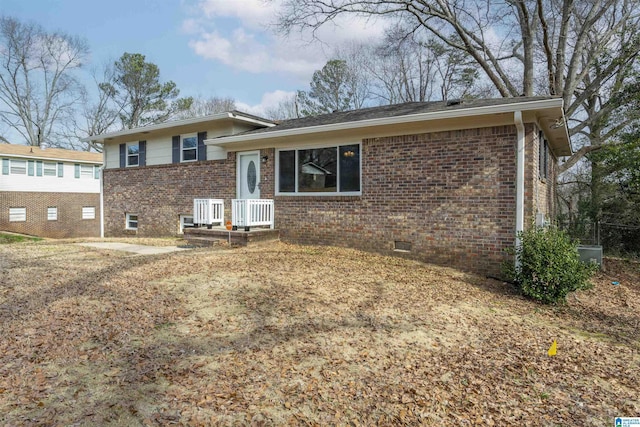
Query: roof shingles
x=28, y=151
x=395, y=110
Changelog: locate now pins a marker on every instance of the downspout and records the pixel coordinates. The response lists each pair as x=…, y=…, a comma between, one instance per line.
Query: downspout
x=104, y=163
x=101, y=202
x=517, y=118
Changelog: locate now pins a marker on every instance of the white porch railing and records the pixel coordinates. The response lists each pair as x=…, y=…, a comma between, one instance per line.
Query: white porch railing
x=252, y=212
x=208, y=211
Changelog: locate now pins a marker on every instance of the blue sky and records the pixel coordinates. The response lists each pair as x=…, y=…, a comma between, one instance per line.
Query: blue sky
x=207, y=47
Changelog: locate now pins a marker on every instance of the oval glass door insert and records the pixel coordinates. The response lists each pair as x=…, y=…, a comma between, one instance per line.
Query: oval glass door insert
x=251, y=177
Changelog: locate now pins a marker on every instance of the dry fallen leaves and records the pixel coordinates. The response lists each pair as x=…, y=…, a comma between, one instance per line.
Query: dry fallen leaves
x=283, y=334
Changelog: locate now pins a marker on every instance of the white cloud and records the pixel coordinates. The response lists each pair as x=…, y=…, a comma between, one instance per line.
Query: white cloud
x=252, y=13
x=269, y=100
x=236, y=33
x=191, y=26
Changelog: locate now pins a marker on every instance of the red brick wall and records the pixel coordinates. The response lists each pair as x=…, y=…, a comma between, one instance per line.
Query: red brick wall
x=159, y=194
x=69, y=222
x=450, y=195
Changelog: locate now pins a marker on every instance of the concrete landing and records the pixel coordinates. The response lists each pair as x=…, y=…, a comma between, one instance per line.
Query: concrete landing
x=137, y=249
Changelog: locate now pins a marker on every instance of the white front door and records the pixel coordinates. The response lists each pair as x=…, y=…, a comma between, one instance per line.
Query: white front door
x=249, y=175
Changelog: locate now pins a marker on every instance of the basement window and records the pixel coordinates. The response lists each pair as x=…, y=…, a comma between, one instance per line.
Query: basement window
x=52, y=213
x=401, y=246
x=17, y=214
x=131, y=221
x=186, y=221
x=88, y=212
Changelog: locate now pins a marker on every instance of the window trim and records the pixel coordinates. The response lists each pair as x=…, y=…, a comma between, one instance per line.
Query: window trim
x=128, y=220
x=297, y=193
x=182, y=149
x=127, y=155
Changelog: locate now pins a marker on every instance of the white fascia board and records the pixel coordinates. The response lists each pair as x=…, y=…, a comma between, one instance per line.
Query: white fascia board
x=430, y=116
x=175, y=123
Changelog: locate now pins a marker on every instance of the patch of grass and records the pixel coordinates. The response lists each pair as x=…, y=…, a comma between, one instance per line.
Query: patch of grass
x=6, y=238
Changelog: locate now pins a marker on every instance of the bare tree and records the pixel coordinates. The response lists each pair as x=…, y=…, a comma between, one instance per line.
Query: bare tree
x=38, y=89
x=523, y=47
x=287, y=108
x=95, y=117
x=338, y=86
x=408, y=69
x=206, y=106
x=359, y=61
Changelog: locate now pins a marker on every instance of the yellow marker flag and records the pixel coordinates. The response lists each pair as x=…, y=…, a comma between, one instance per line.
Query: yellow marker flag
x=553, y=349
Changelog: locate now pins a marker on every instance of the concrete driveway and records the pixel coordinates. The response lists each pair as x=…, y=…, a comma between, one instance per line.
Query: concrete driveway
x=136, y=249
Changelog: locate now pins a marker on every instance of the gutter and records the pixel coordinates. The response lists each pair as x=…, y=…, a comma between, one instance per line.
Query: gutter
x=517, y=118
x=175, y=123
x=428, y=116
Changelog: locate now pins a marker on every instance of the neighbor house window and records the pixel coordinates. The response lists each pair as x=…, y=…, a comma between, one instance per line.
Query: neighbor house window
x=189, y=148
x=131, y=221
x=326, y=170
x=50, y=169
x=86, y=171
x=543, y=157
x=17, y=214
x=133, y=154
x=52, y=213
x=18, y=167
x=186, y=221
x=88, y=212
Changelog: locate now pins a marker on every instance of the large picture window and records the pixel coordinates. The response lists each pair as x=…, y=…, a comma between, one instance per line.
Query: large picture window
x=326, y=170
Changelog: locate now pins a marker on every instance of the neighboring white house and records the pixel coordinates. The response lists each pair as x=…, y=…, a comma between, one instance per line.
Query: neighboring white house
x=49, y=192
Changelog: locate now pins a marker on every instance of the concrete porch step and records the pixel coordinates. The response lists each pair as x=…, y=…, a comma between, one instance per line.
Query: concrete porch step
x=217, y=235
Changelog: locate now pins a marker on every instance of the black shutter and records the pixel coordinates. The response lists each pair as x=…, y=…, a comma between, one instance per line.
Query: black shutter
x=175, y=148
x=202, y=149
x=123, y=155
x=142, y=153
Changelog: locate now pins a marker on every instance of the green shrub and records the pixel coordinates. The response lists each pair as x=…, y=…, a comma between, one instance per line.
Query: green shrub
x=550, y=266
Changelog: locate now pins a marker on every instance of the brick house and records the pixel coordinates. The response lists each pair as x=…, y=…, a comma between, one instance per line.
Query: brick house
x=49, y=192
x=443, y=182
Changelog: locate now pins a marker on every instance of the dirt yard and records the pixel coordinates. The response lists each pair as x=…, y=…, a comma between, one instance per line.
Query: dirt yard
x=291, y=335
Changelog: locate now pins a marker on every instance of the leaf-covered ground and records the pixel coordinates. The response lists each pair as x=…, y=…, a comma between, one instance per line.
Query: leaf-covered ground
x=282, y=334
